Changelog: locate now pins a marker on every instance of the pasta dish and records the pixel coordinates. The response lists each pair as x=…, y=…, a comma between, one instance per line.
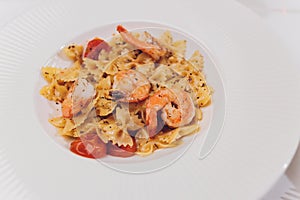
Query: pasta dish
x=128, y=96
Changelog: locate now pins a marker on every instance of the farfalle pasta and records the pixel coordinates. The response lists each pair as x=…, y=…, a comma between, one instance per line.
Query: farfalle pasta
x=129, y=96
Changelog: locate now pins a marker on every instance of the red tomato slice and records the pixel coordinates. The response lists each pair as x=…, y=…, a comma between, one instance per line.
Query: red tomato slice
x=94, y=48
x=122, y=151
x=90, y=146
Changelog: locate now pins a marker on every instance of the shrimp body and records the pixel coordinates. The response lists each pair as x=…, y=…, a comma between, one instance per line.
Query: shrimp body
x=79, y=96
x=130, y=86
x=152, y=49
x=177, y=109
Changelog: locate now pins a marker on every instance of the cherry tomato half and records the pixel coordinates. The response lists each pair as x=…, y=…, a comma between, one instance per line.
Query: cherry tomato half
x=121, y=151
x=89, y=145
x=94, y=48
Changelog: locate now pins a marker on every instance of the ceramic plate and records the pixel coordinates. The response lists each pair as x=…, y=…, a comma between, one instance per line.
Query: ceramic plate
x=255, y=106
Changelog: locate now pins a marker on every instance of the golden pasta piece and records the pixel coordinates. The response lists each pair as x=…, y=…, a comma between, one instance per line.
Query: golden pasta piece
x=197, y=60
x=127, y=120
x=49, y=93
x=142, y=134
x=203, y=96
x=84, y=114
x=58, y=122
x=65, y=126
x=90, y=63
x=200, y=89
x=93, y=68
x=69, y=126
x=166, y=39
x=174, y=135
x=199, y=114
x=119, y=64
x=72, y=133
x=161, y=145
x=145, y=147
x=112, y=68
x=110, y=131
x=73, y=52
x=69, y=74
x=179, y=47
x=165, y=140
x=49, y=73
x=57, y=88
x=168, y=137
x=135, y=123
x=161, y=74
x=61, y=91
x=143, y=58
x=178, y=83
x=54, y=92
x=104, y=83
x=187, y=130
x=89, y=126
x=146, y=69
x=104, y=105
x=119, y=45
x=139, y=110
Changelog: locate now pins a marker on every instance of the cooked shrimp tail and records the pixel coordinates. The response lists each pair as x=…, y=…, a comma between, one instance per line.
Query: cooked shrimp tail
x=177, y=109
x=153, y=49
x=130, y=86
x=79, y=96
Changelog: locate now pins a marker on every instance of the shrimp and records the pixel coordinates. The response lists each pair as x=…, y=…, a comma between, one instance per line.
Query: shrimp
x=130, y=86
x=79, y=96
x=153, y=49
x=176, y=106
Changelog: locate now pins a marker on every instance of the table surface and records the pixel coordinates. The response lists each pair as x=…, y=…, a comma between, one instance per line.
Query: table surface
x=282, y=16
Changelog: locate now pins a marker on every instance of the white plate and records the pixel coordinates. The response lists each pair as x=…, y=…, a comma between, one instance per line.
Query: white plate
x=260, y=132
